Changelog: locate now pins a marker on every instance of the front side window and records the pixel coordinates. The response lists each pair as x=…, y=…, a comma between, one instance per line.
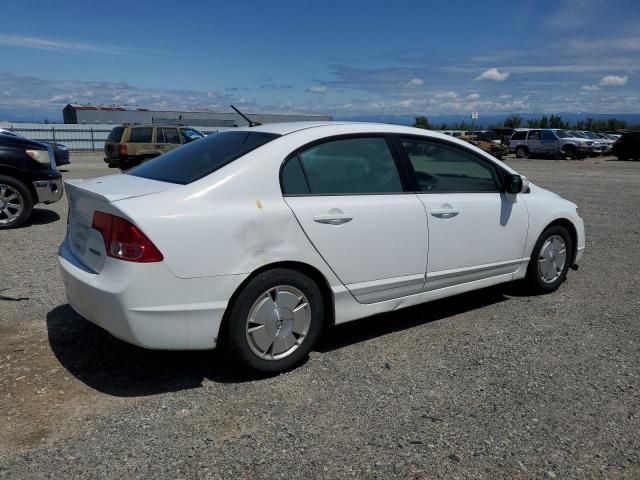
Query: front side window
x=140, y=135
x=547, y=135
x=440, y=167
x=344, y=166
x=198, y=159
x=170, y=135
x=521, y=135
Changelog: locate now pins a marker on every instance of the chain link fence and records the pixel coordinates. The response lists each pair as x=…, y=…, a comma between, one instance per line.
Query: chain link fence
x=78, y=138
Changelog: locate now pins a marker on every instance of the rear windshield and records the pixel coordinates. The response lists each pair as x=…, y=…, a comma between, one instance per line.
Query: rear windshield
x=115, y=134
x=195, y=160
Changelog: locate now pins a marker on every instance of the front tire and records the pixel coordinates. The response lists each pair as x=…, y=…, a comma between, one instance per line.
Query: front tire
x=275, y=321
x=550, y=260
x=16, y=202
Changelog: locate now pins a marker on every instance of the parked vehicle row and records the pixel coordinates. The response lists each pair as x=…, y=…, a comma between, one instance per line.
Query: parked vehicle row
x=557, y=143
x=256, y=238
x=28, y=175
x=131, y=144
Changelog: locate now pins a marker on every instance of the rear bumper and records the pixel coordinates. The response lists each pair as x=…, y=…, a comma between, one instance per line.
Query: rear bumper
x=48, y=191
x=145, y=304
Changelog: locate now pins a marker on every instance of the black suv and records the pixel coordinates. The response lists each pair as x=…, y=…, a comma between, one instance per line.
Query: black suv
x=28, y=175
x=627, y=147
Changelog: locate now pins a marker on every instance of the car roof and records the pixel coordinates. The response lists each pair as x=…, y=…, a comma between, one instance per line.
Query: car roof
x=338, y=127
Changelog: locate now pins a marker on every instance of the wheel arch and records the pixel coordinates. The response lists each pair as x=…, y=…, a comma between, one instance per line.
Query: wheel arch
x=25, y=179
x=304, y=268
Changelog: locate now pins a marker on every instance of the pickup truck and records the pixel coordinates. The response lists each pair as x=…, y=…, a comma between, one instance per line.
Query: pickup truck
x=28, y=175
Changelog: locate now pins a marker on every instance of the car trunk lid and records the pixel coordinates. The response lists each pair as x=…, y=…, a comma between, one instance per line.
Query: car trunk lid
x=100, y=194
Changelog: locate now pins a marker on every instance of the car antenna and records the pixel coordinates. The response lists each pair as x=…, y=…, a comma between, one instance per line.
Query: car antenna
x=251, y=122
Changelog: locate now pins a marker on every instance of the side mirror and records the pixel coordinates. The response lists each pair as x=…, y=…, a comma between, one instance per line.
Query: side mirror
x=515, y=183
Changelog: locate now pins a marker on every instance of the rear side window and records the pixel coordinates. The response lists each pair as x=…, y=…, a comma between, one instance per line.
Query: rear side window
x=519, y=135
x=140, y=135
x=345, y=166
x=293, y=179
x=115, y=135
x=198, y=159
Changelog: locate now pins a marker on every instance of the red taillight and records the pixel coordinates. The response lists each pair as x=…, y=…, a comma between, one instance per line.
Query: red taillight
x=123, y=240
x=122, y=150
x=618, y=140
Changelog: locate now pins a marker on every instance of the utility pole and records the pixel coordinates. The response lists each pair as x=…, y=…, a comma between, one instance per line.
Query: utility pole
x=474, y=116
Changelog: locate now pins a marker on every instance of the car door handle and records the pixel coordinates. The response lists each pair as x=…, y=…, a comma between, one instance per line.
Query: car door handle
x=334, y=218
x=444, y=212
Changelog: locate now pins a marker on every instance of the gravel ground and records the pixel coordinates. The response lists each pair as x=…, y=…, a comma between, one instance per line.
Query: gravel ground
x=490, y=384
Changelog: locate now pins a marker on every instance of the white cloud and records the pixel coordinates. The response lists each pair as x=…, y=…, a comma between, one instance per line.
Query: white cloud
x=572, y=14
x=445, y=95
x=61, y=98
x=590, y=88
x=45, y=44
x=317, y=89
x=473, y=96
x=415, y=82
x=613, y=81
x=494, y=75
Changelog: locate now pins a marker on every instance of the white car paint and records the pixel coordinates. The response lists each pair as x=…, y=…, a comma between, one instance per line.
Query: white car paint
x=215, y=232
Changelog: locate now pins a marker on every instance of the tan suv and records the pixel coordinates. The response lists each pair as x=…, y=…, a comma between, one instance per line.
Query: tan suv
x=131, y=144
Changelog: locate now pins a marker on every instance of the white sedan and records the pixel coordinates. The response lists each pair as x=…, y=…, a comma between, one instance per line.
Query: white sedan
x=257, y=238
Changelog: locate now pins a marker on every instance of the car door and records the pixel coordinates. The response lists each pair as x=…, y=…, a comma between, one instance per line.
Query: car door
x=476, y=230
x=533, y=141
x=167, y=139
x=548, y=142
x=140, y=142
x=348, y=196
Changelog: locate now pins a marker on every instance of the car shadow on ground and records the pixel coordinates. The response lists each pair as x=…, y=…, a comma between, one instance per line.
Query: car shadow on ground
x=42, y=216
x=114, y=367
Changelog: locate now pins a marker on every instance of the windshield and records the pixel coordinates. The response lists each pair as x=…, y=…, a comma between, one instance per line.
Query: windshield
x=192, y=133
x=578, y=134
x=195, y=160
x=592, y=135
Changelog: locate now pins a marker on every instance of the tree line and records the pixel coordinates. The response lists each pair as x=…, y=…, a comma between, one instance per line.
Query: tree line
x=551, y=121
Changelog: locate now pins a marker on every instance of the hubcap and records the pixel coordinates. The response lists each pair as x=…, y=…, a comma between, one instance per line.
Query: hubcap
x=11, y=204
x=552, y=258
x=278, y=322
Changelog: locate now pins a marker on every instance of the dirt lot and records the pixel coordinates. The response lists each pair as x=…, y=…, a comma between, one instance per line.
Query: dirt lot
x=485, y=385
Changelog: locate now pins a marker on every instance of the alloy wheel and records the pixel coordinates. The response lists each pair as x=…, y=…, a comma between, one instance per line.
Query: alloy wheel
x=552, y=259
x=11, y=204
x=278, y=322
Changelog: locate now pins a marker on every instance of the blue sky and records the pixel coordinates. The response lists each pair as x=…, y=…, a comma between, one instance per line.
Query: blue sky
x=338, y=57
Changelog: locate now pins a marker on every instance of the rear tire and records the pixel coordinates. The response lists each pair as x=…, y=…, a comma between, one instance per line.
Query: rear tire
x=275, y=321
x=16, y=202
x=550, y=260
x=522, y=152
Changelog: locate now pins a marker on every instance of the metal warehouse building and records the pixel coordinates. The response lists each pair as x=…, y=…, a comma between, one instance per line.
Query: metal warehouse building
x=91, y=114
